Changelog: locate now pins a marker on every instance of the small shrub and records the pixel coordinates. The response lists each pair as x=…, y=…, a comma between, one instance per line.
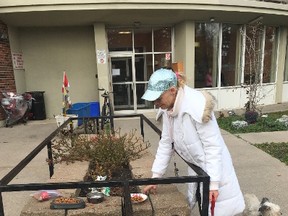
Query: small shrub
x=251, y=117
x=107, y=152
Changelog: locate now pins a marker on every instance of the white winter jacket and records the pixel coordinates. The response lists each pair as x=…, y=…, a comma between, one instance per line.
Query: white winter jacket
x=193, y=128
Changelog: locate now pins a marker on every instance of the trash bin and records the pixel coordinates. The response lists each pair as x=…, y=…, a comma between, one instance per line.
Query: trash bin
x=94, y=109
x=81, y=110
x=85, y=109
x=38, y=105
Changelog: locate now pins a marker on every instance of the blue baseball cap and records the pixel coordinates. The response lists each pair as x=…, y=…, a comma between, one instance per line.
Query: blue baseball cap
x=160, y=81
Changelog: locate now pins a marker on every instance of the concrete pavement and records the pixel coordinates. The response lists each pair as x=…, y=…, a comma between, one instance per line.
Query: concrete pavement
x=258, y=172
x=15, y=144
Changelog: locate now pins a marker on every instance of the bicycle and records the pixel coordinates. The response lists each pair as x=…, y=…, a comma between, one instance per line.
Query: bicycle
x=91, y=125
x=107, y=109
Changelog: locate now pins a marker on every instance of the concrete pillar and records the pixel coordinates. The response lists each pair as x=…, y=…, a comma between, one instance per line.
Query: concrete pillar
x=281, y=63
x=185, y=49
x=102, y=60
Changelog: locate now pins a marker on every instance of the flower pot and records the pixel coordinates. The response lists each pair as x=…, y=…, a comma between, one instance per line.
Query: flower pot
x=95, y=197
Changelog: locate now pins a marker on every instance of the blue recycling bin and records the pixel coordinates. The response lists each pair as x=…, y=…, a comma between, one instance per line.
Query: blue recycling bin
x=81, y=110
x=85, y=109
x=94, y=109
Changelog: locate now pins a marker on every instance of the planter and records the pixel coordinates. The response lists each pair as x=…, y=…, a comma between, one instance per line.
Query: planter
x=168, y=200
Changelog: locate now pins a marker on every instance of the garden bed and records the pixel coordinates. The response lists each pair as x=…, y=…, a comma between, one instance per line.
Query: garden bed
x=168, y=201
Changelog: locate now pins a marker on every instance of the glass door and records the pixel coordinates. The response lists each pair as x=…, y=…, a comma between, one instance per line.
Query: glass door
x=123, y=78
x=129, y=81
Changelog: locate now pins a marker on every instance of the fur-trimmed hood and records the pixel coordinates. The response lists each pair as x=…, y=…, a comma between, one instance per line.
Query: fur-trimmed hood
x=209, y=106
x=200, y=106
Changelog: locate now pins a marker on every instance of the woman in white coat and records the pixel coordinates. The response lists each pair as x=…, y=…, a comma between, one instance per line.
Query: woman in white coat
x=189, y=123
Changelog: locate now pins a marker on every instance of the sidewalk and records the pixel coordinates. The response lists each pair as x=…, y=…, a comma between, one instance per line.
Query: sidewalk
x=15, y=144
x=258, y=172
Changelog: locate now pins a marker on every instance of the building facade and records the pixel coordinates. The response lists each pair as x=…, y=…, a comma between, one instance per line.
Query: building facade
x=117, y=45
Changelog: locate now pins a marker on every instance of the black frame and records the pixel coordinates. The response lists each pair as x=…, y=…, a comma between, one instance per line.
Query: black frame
x=127, y=210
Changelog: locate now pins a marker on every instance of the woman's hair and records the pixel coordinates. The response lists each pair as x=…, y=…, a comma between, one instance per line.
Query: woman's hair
x=181, y=79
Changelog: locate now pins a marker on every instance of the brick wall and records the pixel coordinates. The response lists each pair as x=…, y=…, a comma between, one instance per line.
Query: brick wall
x=7, y=81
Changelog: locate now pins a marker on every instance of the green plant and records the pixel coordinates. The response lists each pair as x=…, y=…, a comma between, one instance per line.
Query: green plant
x=105, y=151
x=277, y=150
x=264, y=124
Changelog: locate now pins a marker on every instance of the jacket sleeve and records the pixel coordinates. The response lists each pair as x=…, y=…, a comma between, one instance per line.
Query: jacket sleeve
x=203, y=120
x=164, y=151
x=212, y=142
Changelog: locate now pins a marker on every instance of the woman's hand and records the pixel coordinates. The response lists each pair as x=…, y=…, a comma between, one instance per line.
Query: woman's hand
x=214, y=193
x=150, y=189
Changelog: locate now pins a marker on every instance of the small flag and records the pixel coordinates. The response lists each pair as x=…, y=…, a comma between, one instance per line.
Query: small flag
x=66, y=99
x=65, y=83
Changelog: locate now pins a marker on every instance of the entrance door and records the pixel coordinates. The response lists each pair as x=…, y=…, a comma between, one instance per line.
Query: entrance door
x=122, y=81
x=127, y=81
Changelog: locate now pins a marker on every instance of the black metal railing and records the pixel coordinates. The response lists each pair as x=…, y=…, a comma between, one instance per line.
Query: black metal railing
x=201, y=178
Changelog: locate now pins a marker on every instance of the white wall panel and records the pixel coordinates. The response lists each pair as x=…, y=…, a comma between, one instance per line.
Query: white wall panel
x=235, y=98
x=285, y=93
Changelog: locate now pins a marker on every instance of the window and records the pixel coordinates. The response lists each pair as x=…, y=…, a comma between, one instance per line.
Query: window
x=260, y=54
x=150, y=48
x=229, y=48
x=156, y=42
x=162, y=39
x=143, y=39
x=253, y=53
x=270, y=54
x=206, y=54
x=258, y=47
x=119, y=39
